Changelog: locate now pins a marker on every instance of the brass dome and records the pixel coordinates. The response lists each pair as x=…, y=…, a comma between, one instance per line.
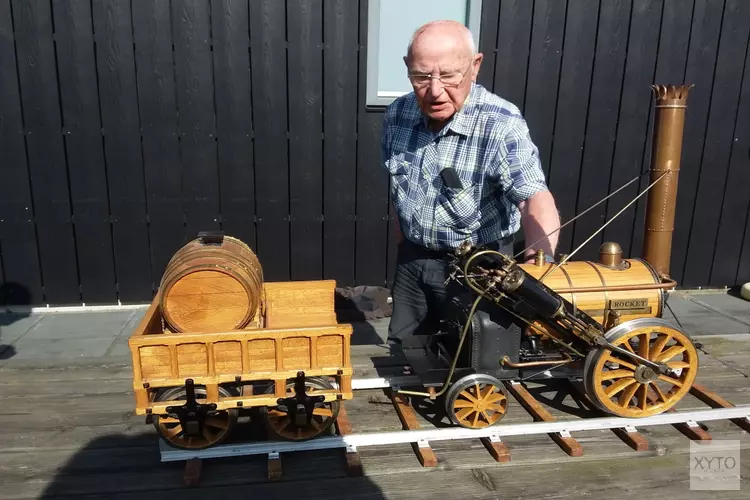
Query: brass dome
x=610, y=254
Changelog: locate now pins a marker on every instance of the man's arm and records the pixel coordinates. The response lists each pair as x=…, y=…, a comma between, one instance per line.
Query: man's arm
x=539, y=217
x=524, y=184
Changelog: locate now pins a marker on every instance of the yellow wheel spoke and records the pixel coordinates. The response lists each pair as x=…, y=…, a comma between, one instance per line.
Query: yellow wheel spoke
x=643, y=341
x=486, y=392
x=618, y=386
x=659, y=393
x=323, y=412
x=671, y=352
x=494, y=397
x=627, y=395
x=678, y=364
x=621, y=362
x=466, y=394
x=643, y=396
x=671, y=380
x=172, y=432
x=496, y=407
x=612, y=374
x=627, y=346
x=461, y=415
x=463, y=404
x=658, y=346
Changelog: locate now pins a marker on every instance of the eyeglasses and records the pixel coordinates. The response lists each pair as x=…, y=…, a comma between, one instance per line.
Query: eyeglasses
x=448, y=80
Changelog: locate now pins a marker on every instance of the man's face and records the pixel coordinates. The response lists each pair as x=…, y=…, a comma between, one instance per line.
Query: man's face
x=449, y=59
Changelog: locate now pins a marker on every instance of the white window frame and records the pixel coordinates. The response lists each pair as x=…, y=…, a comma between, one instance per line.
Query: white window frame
x=376, y=97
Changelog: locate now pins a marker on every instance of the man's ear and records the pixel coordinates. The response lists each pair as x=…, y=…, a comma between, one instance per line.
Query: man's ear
x=477, y=64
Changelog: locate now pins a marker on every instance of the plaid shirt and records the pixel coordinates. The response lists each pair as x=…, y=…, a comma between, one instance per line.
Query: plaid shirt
x=487, y=143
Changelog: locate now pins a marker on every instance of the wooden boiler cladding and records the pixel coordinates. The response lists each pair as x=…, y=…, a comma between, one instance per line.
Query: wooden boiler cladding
x=604, y=302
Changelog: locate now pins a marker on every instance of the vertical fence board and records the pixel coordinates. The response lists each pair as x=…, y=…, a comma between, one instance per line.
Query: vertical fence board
x=674, y=37
x=719, y=141
x=340, y=36
x=512, y=55
x=269, y=79
x=46, y=150
x=152, y=29
x=83, y=139
x=231, y=41
x=633, y=119
x=572, y=109
x=540, y=103
x=191, y=24
x=487, y=43
x=701, y=62
x=373, y=230
x=601, y=130
x=21, y=281
x=305, y=81
x=734, y=211
x=119, y=110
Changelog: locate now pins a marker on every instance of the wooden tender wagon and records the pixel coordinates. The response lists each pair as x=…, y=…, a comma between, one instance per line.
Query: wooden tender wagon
x=192, y=374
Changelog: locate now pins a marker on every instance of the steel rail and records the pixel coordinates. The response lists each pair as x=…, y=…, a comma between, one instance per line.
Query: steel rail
x=352, y=441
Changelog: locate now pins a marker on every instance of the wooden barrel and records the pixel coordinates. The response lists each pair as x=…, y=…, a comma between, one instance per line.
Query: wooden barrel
x=630, y=304
x=212, y=284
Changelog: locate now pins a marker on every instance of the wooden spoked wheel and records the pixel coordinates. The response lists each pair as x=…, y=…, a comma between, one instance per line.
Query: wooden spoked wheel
x=476, y=401
x=215, y=429
x=281, y=424
x=625, y=387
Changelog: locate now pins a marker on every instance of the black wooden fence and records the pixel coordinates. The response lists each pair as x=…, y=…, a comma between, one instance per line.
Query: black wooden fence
x=127, y=126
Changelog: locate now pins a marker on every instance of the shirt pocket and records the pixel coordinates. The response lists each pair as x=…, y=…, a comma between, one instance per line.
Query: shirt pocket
x=457, y=208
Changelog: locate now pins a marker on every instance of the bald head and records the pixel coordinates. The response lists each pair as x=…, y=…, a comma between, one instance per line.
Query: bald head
x=442, y=63
x=444, y=36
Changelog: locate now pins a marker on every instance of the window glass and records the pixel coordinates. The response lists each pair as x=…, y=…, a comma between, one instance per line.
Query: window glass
x=391, y=25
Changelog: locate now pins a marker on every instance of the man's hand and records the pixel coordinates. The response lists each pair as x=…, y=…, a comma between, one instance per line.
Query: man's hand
x=539, y=217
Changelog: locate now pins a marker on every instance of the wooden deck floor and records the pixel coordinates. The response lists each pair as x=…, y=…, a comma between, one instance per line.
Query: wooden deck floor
x=67, y=430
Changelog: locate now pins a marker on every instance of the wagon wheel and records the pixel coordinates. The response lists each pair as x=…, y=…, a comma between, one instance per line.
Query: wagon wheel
x=624, y=387
x=476, y=401
x=279, y=419
x=215, y=429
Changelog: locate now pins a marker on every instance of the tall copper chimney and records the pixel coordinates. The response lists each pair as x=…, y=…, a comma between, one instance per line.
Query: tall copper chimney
x=670, y=107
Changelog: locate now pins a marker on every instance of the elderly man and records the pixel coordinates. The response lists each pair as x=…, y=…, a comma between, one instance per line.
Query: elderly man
x=462, y=167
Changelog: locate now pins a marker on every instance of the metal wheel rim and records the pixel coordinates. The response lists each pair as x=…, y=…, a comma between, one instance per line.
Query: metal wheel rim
x=279, y=424
x=216, y=428
x=476, y=401
x=635, y=398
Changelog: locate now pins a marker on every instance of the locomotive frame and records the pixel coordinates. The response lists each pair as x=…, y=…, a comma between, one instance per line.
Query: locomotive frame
x=192, y=384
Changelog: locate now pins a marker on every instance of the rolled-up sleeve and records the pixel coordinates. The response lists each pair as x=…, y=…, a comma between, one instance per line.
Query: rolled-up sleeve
x=519, y=167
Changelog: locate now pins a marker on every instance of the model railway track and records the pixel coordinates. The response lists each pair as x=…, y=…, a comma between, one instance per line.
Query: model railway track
x=560, y=431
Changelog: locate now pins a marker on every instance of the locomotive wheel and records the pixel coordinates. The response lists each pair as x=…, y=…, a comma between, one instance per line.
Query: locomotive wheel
x=475, y=401
x=215, y=429
x=280, y=423
x=624, y=387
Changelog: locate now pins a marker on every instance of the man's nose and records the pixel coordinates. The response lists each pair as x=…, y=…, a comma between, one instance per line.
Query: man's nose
x=436, y=87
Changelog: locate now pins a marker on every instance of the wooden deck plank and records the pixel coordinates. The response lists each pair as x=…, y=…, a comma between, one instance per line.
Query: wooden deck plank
x=72, y=433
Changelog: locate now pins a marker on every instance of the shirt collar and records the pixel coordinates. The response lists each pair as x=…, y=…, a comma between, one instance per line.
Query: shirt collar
x=464, y=119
